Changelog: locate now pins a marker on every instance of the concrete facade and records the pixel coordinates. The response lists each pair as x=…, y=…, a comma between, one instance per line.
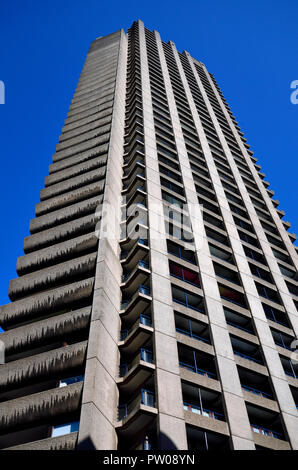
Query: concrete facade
x=156, y=303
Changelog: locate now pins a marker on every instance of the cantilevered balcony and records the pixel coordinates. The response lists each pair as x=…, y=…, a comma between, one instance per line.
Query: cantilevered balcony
x=136, y=303
x=135, y=371
x=135, y=414
x=46, y=408
x=138, y=275
x=133, y=250
x=134, y=334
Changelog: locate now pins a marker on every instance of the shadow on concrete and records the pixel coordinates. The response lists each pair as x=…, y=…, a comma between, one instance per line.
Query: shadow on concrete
x=86, y=444
x=165, y=443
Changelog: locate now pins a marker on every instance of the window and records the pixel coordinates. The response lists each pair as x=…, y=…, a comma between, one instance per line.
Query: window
x=67, y=428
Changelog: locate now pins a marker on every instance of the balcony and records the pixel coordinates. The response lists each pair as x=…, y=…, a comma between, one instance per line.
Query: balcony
x=232, y=296
x=139, y=275
x=249, y=358
x=241, y=322
x=267, y=427
x=133, y=209
x=221, y=254
x=136, y=414
x=146, y=398
x=192, y=329
x=250, y=351
x=137, y=303
x=133, y=251
x=181, y=252
x=136, y=225
x=282, y=340
x=197, y=362
x=35, y=413
x=196, y=370
x=141, y=290
x=131, y=183
x=276, y=316
x=137, y=334
x=200, y=403
x=186, y=275
x=145, y=355
x=188, y=300
x=136, y=372
x=227, y=274
x=269, y=294
x=137, y=193
x=290, y=368
x=130, y=171
x=142, y=320
x=266, y=432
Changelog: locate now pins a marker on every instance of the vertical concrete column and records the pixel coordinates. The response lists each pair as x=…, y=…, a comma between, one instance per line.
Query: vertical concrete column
x=272, y=263
x=279, y=379
x=100, y=395
x=228, y=374
x=172, y=432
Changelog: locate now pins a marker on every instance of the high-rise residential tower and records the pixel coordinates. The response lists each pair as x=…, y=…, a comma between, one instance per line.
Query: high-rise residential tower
x=155, y=306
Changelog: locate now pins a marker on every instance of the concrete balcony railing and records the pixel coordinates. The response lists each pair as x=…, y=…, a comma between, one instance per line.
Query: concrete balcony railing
x=86, y=125
x=76, y=170
x=49, y=226
x=42, y=366
x=66, y=442
x=143, y=290
x=57, y=253
x=81, y=147
x=52, y=276
x=83, y=137
x=142, y=320
x=58, y=327
x=146, y=398
x=76, y=159
x=49, y=301
x=65, y=199
x=40, y=408
x=196, y=370
x=144, y=355
x=72, y=184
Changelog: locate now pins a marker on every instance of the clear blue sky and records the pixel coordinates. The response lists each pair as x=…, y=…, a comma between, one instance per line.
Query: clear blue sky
x=250, y=46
